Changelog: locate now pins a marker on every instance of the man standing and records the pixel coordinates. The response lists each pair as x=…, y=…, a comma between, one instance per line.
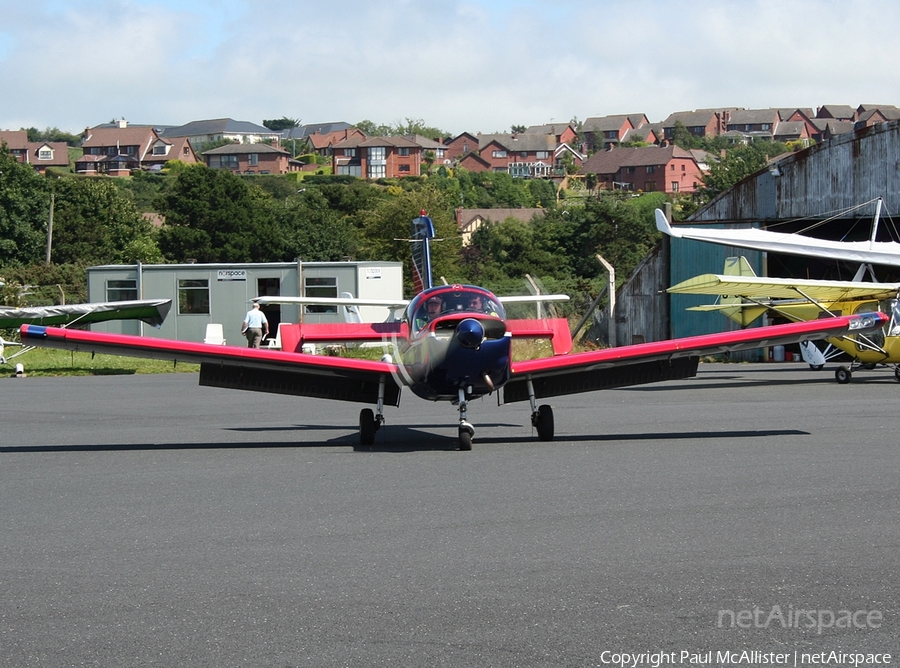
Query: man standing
x=255, y=326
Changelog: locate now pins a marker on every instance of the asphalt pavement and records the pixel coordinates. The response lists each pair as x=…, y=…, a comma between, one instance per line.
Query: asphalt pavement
x=147, y=521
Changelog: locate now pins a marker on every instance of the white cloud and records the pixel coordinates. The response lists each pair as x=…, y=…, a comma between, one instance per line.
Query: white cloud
x=475, y=65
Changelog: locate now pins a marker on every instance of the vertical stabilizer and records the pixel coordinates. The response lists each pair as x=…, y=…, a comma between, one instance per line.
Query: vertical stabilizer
x=422, y=234
x=738, y=266
x=742, y=312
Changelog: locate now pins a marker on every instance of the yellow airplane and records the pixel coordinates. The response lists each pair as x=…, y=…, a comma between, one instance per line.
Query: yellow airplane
x=744, y=297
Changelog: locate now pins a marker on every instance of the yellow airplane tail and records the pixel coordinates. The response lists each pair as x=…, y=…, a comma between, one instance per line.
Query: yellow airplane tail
x=736, y=308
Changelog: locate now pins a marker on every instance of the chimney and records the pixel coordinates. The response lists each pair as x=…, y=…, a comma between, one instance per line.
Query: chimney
x=123, y=124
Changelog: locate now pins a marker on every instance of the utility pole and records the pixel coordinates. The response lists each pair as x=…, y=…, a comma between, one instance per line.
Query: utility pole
x=49, y=230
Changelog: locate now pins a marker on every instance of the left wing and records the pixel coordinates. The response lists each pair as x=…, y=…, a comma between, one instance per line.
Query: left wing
x=240, y=368
x=663, y=360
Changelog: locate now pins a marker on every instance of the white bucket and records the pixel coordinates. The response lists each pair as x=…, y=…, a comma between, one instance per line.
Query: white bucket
x=778, y=353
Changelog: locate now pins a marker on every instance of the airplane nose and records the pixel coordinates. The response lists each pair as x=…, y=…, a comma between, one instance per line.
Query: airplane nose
x=470, y=333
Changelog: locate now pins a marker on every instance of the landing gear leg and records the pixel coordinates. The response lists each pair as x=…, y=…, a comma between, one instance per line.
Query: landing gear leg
x=369, y=421
x=541, y=416
x=466, y=430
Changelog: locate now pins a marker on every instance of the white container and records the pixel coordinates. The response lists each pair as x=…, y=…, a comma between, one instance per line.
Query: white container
x=778, y=353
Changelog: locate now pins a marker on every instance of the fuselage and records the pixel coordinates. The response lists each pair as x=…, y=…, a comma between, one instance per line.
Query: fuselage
x=457, y=340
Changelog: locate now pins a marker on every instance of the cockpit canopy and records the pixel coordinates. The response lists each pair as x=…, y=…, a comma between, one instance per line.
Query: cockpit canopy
x=452, y=299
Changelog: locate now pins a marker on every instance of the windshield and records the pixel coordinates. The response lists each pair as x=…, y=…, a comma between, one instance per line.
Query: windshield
x=461, y=300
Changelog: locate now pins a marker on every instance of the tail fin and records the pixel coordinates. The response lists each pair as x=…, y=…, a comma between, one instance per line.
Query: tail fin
x=738, y=266
x=422, y=234
x=741, y=312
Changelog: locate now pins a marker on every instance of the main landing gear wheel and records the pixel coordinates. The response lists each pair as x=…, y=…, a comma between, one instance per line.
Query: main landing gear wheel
x=367, y=426
x=816, y=367
x=842, y=375
x=543, y=422
x=466, y=432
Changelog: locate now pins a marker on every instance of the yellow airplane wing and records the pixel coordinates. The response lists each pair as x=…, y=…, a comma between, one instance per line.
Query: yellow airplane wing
x=759, y=287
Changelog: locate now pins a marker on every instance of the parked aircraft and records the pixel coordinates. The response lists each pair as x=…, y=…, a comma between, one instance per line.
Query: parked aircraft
x=151, y=311
x=863, y=252
x=453, y=344
x=744, y=297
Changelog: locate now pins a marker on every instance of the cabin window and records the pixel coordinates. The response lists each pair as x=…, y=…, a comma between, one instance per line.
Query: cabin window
x=193, y=296
x=121, y=290
x=320, y=286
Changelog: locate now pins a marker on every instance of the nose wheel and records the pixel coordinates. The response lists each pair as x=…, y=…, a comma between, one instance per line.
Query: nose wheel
x=466, y=430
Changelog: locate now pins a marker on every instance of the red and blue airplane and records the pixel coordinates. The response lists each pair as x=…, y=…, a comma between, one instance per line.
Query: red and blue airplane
x=452, y=344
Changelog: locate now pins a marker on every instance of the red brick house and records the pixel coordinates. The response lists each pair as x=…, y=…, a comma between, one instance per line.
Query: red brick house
x=525, y=155
x=118, y=149
x=608, y=131
x=377, y=157
x=564, y=133
x=39, y=155
x=251, y=159
x=700, y=123
x=323, y=143
x=666, y=169
x=460, y=146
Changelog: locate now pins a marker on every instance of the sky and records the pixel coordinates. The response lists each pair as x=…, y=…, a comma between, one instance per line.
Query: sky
x=458, y=65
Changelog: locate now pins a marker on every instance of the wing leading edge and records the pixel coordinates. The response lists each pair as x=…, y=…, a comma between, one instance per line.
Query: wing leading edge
x=664, y=360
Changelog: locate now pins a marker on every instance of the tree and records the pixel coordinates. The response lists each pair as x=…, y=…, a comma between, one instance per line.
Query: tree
x=386, y=228
x=52, y=134
x=283, y=123
x=738, y=163
x=24, y=208
x=214, y=216
x=682, y=137
x=313, y=231
x=94, y=223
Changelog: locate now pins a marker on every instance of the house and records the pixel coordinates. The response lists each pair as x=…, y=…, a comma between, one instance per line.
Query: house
x=432, y=150
x=525, y=155
x=377, y=157
x=699, y=123
x=460, y=146
x=836, y=112
x=753, y=123
x=564, y=133
x=876, y=114
x=323, y=143
x=792, y=131
x=666, y=169
x=163, y=150
x=607, y=131
x=251, y=159
x=120, y=148
x=39, y=155
x=222, y=129
x=469, y=220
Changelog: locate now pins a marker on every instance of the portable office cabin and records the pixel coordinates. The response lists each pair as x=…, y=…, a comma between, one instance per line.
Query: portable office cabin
x=203, y=294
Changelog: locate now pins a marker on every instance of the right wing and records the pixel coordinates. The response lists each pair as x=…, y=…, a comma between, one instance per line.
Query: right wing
x=235, y=367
